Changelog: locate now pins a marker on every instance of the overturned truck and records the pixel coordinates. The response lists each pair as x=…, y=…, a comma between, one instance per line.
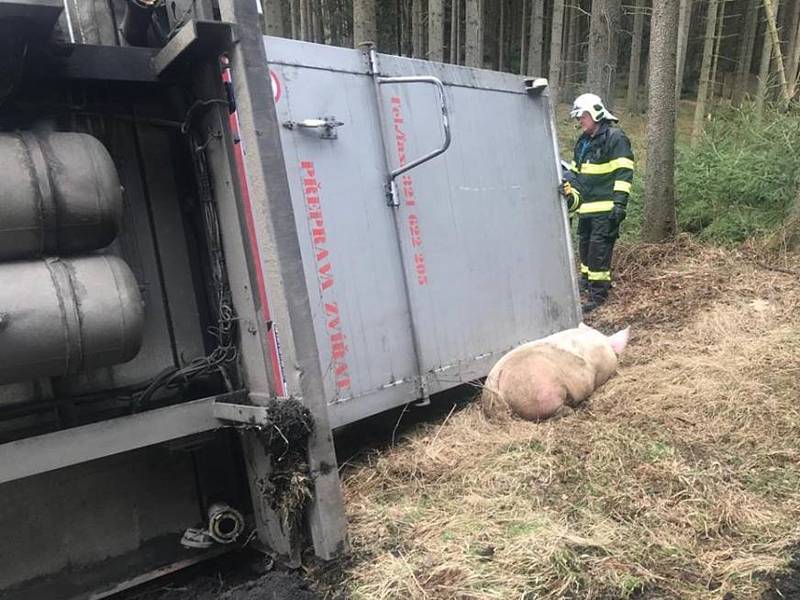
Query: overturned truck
x=216, y=249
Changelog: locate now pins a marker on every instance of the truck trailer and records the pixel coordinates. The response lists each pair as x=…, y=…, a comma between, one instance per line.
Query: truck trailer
x=219, y=248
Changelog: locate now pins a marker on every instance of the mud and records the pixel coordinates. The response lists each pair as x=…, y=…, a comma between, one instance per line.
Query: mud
x=272, y=586
x=785, y=585
x=240, y=576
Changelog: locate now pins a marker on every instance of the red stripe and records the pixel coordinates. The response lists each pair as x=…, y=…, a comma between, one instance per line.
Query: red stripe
x=233, y=120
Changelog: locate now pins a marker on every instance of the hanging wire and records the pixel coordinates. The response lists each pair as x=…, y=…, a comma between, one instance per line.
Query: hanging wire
x=225, y=352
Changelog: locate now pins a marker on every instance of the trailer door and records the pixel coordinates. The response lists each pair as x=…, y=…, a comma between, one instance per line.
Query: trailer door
x=423, y=290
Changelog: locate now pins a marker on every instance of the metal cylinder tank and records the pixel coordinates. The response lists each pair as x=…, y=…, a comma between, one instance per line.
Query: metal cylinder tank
x=60, y=195
x=63, y=316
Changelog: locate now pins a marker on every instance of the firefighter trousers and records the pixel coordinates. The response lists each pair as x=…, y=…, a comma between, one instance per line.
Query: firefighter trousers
x=596, y=235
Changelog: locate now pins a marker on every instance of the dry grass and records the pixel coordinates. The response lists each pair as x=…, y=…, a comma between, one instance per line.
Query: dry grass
x=679, y=479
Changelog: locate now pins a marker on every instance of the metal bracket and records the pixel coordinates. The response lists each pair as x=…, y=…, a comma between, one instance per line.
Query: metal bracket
x=535, y=86
x=195, y=40
x=327, y=126
x=244, y=414
x=391, y=187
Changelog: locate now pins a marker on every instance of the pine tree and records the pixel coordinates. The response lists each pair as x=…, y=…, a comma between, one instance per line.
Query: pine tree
x=364, y=21
x=555, y=51
x=636, y=55
x=603, y=40
x=660, y=220
x=705, y=69
x=273, y=18
x=684, y=26
x=473, y=37
x=746, y=47
x=436, y=30
x=535, y=41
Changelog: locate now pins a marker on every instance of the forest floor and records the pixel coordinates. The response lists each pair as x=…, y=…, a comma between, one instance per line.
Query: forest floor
x=680, y=478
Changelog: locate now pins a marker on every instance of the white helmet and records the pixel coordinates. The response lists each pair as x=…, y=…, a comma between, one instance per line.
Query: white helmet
x=592, y=104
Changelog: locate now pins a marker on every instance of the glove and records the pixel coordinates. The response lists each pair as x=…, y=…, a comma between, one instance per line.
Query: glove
x=571, y=196
x=617, y=214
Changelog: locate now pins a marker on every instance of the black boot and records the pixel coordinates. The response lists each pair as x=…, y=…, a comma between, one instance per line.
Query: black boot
x=589, y=306
x=598, y=294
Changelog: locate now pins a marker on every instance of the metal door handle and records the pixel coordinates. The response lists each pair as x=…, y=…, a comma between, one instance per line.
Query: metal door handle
x=328, y=126
x=445, y=125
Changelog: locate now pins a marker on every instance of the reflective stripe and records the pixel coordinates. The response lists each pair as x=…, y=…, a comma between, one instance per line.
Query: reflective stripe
x=599, y=275
x=596, y=206
x=622, y=186
x=584, y=269
x=606, y=168
x=573, y=166
x=575, y=201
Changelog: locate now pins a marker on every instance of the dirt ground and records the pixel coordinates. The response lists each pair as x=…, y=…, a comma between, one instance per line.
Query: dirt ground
x=241, y=575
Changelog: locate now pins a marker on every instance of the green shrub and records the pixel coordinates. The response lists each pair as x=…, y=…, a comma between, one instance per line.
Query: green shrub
x=741, y=177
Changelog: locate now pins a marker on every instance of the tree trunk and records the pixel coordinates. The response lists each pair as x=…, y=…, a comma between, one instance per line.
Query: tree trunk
x=294, y=10
x=597, y=50
x=473, y=34
x=534, y=66
x=418, y=30
x=660, y=221
x=794, y=23
x=712, y=90
x=777, y=56
x=436, y=30
x=455, y=33
x=763, y=74
x=501, y=37
x=327, y=19
x=794, y=62
x=571, y=62
x=523, y=39
x=273, y=18
x=684, y=25
x=555, y=51
x=705, y=70
x=603, y=40
x=614, y=11
x=405, y=27
x=364, y=26
x=348, y=30
x=636, y=56
x=304, y=20
x=313, y=30
x=746, y=46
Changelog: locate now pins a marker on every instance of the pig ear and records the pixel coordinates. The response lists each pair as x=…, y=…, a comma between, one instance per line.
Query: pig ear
x=619, y=340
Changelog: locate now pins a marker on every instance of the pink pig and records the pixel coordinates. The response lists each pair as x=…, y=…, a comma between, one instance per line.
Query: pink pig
x=546, y=377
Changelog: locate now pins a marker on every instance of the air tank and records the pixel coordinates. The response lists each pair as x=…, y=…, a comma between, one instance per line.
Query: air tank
x=63, y=316
x=60, y=195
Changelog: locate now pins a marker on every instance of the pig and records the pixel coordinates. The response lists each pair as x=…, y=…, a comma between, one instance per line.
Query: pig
x=549, y=377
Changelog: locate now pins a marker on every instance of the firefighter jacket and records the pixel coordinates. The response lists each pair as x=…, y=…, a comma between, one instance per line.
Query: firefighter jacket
x=603, y=168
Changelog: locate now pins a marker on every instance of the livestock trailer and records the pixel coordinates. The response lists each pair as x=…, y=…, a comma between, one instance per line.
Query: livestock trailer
x=216, y=249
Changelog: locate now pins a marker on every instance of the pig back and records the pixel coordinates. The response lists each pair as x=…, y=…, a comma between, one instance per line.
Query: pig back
x=589, y=344
x=535, y=380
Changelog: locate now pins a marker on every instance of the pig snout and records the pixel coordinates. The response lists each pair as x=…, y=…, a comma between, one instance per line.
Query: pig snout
x=537, y=379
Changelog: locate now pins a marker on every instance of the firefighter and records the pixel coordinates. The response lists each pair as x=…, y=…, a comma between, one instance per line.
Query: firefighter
x=597, y=189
